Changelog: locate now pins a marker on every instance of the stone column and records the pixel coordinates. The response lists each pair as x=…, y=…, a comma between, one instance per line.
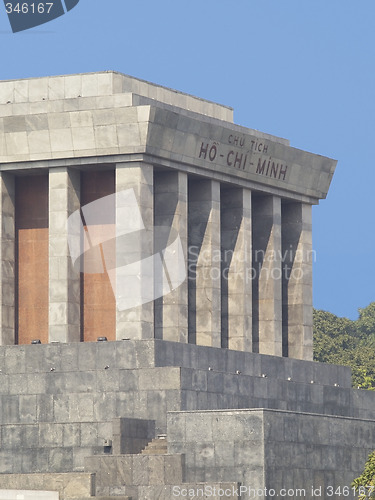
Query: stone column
x=297, y=281
x=236, y=279
x=64, y=280
x=267, y=269
x=171, y=309
x=133, y=276
x=204, y=263
x=7, y=257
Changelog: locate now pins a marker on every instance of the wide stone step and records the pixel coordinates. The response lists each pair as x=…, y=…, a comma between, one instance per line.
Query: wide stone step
x=155, y=450
x=157, y=442
x=102, y=498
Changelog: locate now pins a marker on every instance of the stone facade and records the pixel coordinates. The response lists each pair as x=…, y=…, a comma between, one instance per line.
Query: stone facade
x=207, y=385
x=64, y=282
x=54, y=486
x=62, y=403
x=239, y=200
x=273, y=450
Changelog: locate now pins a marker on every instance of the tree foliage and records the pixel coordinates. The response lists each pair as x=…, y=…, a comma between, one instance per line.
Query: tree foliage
x=351, y=343
x=365, y=483
x=346, y=342
x=366, y=320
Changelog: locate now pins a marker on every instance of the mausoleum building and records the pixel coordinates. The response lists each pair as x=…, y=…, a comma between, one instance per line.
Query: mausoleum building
x=156, y=302
x=239, y=200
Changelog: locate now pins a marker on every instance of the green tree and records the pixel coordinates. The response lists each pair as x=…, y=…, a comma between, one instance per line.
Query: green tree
x=366, y=321
x=365, y=483
x=346, y=342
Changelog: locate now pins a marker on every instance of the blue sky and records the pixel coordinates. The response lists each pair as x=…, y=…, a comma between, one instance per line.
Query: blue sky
x=299, y=69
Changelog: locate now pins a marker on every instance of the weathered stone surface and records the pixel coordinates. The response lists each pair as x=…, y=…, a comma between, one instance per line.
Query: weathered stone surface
x=170, y=199
x=126, y=115
x=28, y=495
x=64, y=287
x=135, y=286
x=267, y=282
x=7, y=258
x=130, y=436
x=204, y=264
x=236, y=269
x=298, y=257
x=271, y=449
x=68, y=486
x=72, y=418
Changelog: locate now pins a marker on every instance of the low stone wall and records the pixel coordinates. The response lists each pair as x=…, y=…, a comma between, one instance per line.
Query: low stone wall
x=126, y=474
x=273, y=449
x=67, y=486
x=28, y=495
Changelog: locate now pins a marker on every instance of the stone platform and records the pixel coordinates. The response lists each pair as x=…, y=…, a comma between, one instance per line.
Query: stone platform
x=230, y=416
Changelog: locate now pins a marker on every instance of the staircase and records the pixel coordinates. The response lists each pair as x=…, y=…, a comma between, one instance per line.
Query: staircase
x=150, y=474
x=147, y=475
x=158, y=446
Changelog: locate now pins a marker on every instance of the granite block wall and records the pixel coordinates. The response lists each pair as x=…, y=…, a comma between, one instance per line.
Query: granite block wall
x=324, y=453
x=192, y=356
x=126, y=474
x=65, y=486
x=150, y=477
x=219, y=444
x=58, y=401
x=316, y=455
x=130, y=435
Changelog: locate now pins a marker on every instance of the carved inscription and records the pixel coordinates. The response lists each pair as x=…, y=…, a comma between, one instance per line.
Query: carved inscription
x=232, y=158
x=246, y=154
x=272, y=169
